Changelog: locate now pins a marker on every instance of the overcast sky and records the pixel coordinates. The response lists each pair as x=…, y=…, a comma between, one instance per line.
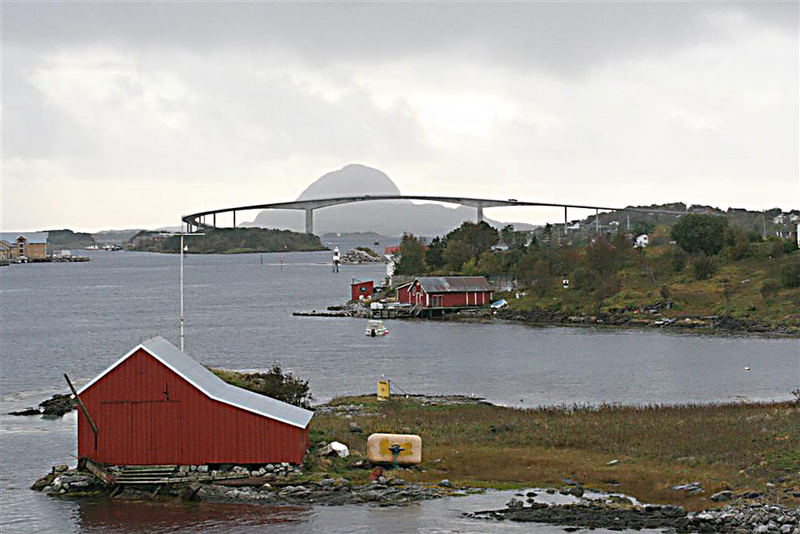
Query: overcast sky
x=128, y=115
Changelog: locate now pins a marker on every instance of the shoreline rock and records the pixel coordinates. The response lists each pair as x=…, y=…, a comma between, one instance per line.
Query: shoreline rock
x=55, y=406
x=762, y=518
x=273, y=484
x=705, y=324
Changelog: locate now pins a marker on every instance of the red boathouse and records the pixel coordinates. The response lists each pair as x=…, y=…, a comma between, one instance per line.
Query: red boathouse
x=158, y=406
x=446, y=292
x=359, y=289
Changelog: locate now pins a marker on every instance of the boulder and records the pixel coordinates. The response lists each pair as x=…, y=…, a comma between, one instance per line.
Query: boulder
x=334, y=448
x=725, y=495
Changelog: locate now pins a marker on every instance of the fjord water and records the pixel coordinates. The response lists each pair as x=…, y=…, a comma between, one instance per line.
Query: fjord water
x=79, y=318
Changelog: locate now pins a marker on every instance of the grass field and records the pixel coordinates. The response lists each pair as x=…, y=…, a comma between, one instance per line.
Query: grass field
x=736, y=446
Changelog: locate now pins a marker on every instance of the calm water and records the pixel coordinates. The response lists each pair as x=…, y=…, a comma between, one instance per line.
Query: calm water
x=79, y=318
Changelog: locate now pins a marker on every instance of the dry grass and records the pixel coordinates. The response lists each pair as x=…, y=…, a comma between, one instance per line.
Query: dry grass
x=742, y=446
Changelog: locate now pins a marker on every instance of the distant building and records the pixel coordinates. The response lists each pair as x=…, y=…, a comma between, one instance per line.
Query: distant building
x=33, y=248
x=446, y=292
x=5, y=250
x=361, y=290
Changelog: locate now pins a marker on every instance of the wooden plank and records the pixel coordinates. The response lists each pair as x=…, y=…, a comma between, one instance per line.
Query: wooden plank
x=82, y=406
x=100, y=472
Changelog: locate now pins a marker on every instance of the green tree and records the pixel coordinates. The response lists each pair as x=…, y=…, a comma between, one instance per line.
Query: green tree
x=457, y=253
x=488, y=264
x=700, y=233
x=479, y=237
x=434, y=256
x=515, y=240
x=643, y=227
x=412, y=254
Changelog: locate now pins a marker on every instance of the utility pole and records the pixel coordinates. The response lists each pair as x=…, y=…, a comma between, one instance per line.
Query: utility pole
x=183, y=247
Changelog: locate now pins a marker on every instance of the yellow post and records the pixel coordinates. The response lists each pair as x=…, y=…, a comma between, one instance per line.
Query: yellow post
x=384, y=390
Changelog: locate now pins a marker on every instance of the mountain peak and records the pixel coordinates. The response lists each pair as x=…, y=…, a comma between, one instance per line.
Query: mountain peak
x=351, y=180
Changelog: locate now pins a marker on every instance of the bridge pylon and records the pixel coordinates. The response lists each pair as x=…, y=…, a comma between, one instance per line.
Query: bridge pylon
x=309, y=220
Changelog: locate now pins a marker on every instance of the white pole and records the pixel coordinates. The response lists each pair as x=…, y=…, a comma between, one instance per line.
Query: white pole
x=181, y=287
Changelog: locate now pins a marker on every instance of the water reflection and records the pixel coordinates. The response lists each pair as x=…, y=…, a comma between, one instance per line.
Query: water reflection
x=118, y=516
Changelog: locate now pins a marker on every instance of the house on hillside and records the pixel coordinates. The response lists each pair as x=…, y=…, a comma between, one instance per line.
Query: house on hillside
x=158, y=406
x=446, y=292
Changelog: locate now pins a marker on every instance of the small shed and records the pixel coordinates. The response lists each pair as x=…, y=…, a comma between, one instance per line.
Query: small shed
x=158, y=406
x=359, y=289
x=446, y=292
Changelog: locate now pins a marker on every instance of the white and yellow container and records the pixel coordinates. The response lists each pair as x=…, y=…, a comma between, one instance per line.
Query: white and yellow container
x=379, y=448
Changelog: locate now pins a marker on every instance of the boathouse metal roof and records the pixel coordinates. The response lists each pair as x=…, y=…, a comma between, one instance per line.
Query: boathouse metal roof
x=213, y=386
x=453, y=284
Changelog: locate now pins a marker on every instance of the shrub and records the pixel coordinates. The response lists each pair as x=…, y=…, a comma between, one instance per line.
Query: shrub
x=678, y=259
x=790, y=274
x=274, y=383
x=703, y=267
x=781, y=247
x=584, y=279
x=769, y=288
x=700, y=233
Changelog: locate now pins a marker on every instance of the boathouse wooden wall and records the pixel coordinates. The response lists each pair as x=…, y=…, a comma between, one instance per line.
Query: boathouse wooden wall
x=414, y=294
x=147, y=414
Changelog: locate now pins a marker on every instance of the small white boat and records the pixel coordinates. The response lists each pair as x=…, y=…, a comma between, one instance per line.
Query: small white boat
x=376, y=328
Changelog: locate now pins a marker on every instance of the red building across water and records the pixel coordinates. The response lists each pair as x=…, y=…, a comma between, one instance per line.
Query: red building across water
x=446, y=292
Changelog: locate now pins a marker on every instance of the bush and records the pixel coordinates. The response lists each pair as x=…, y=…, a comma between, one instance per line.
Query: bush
x=274, y=383
x=584, y=279
x=700, y=233
x=790, y=274
x=781, y=247
x=678, y=259
x=703, y=267
x=770, y=288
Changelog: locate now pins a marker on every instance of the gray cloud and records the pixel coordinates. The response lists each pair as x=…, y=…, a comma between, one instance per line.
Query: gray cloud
x=565, y=38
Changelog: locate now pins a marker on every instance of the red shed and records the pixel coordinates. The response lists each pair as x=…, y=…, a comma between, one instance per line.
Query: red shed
x=360, y=289
x=446, y=292
x=158, y=406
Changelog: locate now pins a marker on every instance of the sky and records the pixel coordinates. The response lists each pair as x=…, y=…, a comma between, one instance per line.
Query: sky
x=128, y=115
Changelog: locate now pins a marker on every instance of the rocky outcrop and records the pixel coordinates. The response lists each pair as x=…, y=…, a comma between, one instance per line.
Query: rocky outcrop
x=612, y=515
x=55, y=406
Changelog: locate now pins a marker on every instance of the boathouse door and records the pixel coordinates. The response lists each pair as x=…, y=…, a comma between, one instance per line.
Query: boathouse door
x=141, y=432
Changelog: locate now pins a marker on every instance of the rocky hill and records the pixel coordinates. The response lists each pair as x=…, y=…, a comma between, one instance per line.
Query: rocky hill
x=386, y=217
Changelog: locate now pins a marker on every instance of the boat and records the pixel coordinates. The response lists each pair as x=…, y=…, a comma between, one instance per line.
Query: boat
x=376, y=328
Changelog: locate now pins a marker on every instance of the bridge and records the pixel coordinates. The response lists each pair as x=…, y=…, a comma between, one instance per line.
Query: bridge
x=200, y=219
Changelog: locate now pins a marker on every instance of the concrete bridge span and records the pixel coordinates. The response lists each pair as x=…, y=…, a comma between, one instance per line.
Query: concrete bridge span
x=201, y=220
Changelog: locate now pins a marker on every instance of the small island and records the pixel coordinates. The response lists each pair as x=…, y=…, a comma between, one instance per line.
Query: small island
x=228, y=241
